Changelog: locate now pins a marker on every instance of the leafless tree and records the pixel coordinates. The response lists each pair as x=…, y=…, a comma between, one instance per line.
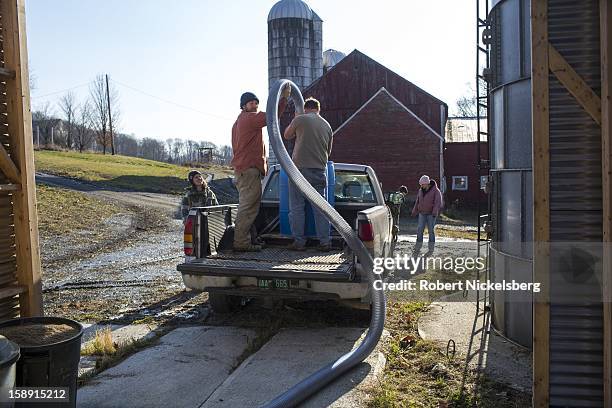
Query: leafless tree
x=83, y=134
x=169, y=142
x=467, y=104
x=97, y=92
x=177, y=150
x=67, y=105
x=126, y=144
x=42, y=122
x=152, y=149
x=226, y=154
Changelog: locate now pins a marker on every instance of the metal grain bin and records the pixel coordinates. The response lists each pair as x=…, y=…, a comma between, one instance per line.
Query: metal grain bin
x=510, y=144
x=575, y=193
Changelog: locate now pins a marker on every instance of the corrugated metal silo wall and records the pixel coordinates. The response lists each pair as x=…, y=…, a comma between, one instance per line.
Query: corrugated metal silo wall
x=510, y=149
x=293, y=52
x=9, y=308
x=576, y=334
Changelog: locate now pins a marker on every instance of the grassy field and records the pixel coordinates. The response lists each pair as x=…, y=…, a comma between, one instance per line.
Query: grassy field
x=61, y=211
x=124, y=172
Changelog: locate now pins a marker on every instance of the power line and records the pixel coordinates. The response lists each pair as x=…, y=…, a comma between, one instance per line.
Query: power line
x=62, y=91
x=170, y=102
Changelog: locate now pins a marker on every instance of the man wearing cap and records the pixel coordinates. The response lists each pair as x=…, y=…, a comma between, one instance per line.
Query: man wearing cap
x=427, y=206
x=198, y=194
x=250, y=164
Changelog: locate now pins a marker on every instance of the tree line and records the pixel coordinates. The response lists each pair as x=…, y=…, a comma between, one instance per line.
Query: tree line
x=86, y=126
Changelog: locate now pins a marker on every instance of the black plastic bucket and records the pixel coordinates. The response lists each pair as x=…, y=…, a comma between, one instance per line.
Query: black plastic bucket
x=49, y=365
x=9, y=354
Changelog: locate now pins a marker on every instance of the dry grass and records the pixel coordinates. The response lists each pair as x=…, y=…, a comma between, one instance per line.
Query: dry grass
x=454, y=233
x=102, y=344
x=61, y=211
x=418, y=374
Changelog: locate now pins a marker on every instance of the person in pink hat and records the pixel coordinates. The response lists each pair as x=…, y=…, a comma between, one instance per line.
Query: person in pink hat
x=427, y=206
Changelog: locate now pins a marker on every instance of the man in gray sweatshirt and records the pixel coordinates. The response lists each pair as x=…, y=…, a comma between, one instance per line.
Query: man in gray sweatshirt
x=313, y=143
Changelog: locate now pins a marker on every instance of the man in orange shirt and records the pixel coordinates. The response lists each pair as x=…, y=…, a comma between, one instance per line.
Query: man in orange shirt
x=250, y=164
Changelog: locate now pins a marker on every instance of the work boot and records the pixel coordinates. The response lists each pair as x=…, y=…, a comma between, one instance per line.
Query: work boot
x=297, y=247
x=324, y=247
x=248, y=248
x=259, y=241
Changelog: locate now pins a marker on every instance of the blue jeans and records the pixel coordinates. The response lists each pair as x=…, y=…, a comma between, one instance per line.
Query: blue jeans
x=297, y=215
x=430, y=221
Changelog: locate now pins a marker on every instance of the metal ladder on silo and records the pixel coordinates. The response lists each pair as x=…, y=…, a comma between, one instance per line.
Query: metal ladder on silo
x=483, y=48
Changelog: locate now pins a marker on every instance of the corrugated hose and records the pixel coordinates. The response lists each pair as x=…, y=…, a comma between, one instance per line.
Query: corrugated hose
x=328, y=373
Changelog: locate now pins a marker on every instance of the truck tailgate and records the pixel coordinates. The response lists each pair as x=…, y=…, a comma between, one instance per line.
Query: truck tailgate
x=335, y=265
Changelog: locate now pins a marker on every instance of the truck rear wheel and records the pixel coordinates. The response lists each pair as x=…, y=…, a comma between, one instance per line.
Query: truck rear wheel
x=221, y=303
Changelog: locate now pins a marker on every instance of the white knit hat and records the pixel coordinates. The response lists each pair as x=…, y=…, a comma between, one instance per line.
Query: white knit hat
x=424, y=179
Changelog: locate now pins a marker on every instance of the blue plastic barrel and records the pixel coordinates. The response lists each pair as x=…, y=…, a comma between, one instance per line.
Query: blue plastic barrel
x=309, y=230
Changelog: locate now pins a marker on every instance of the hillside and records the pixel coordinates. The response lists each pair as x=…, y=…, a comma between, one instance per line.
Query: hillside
x=129, y=173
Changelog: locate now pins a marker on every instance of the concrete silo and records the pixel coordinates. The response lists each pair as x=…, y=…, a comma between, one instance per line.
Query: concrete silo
x=295, y=45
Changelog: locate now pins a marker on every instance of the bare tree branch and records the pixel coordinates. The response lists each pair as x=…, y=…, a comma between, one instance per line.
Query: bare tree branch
x=67, y=105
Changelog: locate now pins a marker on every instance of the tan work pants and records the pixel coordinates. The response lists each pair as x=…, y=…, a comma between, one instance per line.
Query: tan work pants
x=248, y=183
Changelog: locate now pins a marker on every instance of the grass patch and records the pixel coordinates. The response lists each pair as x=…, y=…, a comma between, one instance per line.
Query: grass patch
x=130, y=173
x=61, y=211
x=102, y=344
x=454, y=233
x=418, y=374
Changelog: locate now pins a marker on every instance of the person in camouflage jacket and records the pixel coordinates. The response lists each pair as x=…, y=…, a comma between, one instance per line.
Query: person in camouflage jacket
x=198, y=194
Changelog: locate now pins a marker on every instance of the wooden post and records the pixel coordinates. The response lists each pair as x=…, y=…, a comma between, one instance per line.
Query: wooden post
x=541, y=204
x=20, y=133
x=606, y=149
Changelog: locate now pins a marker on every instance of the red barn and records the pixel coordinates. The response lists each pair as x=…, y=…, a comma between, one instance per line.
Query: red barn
x=463, y=184
x=382, y=120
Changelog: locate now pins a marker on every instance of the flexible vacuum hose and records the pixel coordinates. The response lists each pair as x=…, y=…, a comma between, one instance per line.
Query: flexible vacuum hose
x=323, y=376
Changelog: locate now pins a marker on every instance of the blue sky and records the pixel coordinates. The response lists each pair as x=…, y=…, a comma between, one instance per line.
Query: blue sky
x=202, y=54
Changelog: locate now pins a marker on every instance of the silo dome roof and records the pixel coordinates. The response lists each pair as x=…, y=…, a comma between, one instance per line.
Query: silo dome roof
x=290, y=9
x=332, y=57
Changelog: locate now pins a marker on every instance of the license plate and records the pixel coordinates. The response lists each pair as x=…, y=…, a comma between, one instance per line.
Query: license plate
x=273, y=283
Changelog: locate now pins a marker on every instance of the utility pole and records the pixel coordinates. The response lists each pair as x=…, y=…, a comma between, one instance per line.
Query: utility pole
x=110, y=119
x=51, y=135
x=38, y=136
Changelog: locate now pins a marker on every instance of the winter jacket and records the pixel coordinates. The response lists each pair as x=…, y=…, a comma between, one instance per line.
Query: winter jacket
x=428, y=202
x=195, y=198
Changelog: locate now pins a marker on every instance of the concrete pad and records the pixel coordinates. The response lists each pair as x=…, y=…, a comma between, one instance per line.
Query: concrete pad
x=497, y=357
x=183, y=369
x=291, y=356
x=120, y=333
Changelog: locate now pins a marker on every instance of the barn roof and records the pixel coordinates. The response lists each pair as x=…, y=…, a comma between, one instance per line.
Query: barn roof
x=383, y=90
x=351, y=59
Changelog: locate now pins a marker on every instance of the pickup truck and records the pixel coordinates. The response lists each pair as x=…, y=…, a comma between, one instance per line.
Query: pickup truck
x=277, y=271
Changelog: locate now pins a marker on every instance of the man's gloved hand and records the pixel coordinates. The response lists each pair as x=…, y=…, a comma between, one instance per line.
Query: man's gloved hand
x=286, y=91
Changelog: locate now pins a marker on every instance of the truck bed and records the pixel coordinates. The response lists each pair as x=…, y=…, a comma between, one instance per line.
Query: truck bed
x=276, y=262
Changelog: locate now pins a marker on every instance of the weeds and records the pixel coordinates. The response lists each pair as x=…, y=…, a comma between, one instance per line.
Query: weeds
x=418, y=374
x=101, y=345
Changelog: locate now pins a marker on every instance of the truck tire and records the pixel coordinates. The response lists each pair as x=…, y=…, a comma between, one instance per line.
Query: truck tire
x=221, y=303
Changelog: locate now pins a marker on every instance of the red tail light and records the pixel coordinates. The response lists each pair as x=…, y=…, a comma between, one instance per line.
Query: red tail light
x=365, y=230
x=188, y=236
